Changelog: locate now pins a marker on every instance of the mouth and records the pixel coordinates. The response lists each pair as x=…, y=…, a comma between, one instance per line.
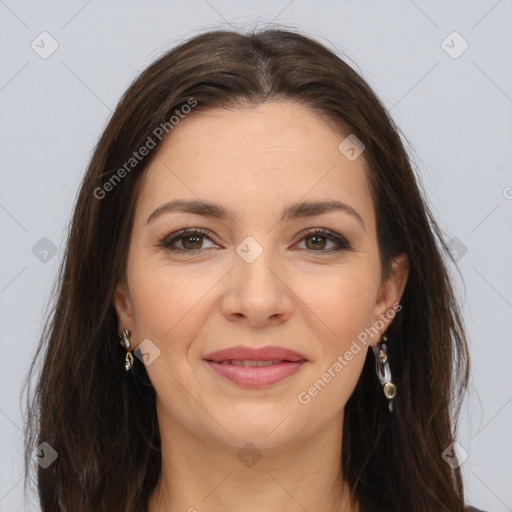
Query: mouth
x=267, y=354
x=255, y=367
x=250, y=363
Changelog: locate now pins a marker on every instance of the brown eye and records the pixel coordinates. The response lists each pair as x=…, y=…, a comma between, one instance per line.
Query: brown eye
x=191, y=240
x=196, y=242
x=317, y=242
x=318, y=239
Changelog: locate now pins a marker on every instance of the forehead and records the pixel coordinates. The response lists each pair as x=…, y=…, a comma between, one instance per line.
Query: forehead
x=278, y=152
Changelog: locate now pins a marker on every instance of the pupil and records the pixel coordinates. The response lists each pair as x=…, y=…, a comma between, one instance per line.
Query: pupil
x=197, y=238
x=317, y=241
x=318, y=238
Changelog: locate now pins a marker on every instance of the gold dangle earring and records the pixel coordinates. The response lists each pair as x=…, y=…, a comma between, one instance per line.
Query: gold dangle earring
x=125, y=342
x=383, y=371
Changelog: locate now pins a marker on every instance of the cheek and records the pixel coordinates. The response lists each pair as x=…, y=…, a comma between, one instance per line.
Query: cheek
x=342, y=301
x=169, y=300
x=165, y=298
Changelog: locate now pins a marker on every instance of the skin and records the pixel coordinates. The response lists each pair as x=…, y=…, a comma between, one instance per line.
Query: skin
x=255, y=161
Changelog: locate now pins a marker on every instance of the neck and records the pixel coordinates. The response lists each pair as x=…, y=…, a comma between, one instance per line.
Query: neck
x=203, y=475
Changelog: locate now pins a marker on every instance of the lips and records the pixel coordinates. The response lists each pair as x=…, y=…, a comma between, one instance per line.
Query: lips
x=248, y=362
x=262, y=354
x=255, y=367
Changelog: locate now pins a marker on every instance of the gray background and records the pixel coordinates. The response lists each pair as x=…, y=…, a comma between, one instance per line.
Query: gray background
x=455, y=112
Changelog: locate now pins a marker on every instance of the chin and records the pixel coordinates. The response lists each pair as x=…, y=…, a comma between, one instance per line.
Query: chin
x=265, y=425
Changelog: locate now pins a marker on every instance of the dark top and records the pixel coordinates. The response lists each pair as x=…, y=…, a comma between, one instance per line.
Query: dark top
x=473, y=509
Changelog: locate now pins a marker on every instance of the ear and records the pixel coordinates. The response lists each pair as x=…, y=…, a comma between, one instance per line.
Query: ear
x=390, y=293
x=124, y=310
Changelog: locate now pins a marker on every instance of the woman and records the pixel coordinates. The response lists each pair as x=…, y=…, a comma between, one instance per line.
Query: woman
x=248, y=228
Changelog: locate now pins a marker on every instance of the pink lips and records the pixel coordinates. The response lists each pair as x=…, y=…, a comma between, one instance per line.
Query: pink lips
x=276, y=363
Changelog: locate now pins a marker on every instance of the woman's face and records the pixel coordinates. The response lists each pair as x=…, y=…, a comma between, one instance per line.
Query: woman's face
x=257, y=277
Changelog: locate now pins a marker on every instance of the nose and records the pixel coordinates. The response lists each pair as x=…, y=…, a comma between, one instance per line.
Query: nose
x=257, y=292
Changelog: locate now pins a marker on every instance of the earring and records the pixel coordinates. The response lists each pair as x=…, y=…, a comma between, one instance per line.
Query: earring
x=125, y=342
x=383, y=371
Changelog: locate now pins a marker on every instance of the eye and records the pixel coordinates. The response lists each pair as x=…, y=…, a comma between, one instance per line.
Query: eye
x=319, y=238
x=191, y=240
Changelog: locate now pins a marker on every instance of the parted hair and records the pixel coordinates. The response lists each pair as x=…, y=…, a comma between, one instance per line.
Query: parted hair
x=102, y=420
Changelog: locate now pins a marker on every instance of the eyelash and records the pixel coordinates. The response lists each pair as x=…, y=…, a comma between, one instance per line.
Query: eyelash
x=168, y=240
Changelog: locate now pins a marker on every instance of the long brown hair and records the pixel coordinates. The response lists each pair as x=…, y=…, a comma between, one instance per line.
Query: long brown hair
x=102, y=422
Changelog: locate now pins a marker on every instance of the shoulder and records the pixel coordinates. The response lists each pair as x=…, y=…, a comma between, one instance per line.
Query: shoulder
x=473, y=509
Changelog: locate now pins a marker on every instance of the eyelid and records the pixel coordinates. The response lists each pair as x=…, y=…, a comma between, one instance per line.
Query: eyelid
x=342, y=243
x=174, y=236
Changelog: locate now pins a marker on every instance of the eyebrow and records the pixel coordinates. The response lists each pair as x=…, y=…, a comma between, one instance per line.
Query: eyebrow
x=290, y=212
